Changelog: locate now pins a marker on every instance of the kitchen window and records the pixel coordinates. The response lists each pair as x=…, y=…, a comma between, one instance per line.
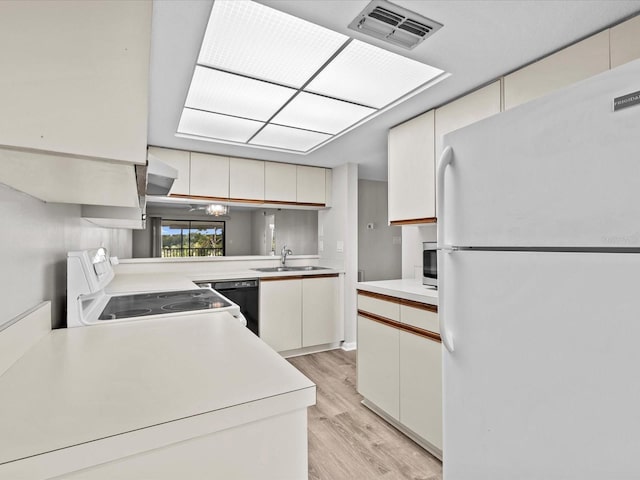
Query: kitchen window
x=192, y=238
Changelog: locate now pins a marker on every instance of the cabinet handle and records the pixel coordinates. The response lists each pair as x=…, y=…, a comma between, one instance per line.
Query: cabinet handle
x=445, y=160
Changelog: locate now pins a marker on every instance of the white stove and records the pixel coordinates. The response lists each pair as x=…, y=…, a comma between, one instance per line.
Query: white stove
x=89, y=272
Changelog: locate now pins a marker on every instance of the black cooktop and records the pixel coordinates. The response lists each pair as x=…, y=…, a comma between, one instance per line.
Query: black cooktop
x=157, y=303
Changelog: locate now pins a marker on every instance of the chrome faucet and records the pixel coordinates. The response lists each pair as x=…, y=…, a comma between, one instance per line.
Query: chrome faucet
x=283, y=254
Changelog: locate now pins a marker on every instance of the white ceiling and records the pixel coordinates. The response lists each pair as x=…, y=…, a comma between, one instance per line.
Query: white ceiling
x=480, y=41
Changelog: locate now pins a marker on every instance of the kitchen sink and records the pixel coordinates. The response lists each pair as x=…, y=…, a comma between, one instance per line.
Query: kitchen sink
x=305, y=268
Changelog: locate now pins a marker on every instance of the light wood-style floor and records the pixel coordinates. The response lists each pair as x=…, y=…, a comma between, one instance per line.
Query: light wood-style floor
x=348, y=441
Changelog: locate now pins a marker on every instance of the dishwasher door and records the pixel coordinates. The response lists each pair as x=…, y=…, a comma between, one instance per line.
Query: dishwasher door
x=245, y=294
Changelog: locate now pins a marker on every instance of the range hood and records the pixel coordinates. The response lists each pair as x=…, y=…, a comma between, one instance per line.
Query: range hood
x=160, y=177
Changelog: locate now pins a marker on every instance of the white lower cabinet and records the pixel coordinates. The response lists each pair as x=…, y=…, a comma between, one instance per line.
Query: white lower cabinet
x=399, y=360
x=280, y=312
x=421, y=386
x=321, y=319
x=301, y=312
x=378, y=365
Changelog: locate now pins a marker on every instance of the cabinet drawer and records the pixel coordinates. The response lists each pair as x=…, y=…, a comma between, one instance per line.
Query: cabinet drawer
x=376, y=306
x=417, y=317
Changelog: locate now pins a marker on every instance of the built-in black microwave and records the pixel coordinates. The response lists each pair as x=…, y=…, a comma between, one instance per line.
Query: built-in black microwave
x=430, y=264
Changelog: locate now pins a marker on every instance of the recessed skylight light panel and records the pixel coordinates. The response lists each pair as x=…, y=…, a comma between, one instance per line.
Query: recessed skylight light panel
x=370, y=75
x=267, y=79
x=213, y=125
x=322, y=114
x=289, y=138
x=258, y=41
x=230, y=94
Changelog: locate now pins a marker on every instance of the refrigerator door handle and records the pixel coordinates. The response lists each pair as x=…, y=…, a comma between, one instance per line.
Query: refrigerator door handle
x=445, y=160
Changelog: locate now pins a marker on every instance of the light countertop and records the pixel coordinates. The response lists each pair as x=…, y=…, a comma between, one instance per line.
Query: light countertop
x=146, y=282
x=407, y=288
x=82, y=384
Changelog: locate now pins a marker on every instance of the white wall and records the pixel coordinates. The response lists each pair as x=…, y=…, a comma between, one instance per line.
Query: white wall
x=34, y=243
x=379, y=248
x=298, y=230
x=412, y=238
x=238, y=233
x=339, y=225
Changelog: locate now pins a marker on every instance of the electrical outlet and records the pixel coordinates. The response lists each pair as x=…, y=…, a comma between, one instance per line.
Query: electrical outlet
x=339, y=246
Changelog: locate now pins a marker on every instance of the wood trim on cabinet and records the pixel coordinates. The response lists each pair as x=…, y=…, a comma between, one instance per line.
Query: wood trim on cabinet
x=304, y=204
x=402, y=301
x=413, y=221
x=321, y=275
x=421, y=306
x=401, y=326
x=296, y=277
x=378, y=296
x=283, y=277
x=246, y=200
x=198, y=197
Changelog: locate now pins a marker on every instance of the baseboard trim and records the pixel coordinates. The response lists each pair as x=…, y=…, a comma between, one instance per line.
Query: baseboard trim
x=349, y=346
x=307, y=350
x=428, y=446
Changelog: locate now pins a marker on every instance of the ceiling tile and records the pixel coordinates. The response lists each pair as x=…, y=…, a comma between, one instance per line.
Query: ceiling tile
x=213, y=125
x=369, y=75
x=255, y=40
x=322, y=114
x=230, y=94
x=288, y=138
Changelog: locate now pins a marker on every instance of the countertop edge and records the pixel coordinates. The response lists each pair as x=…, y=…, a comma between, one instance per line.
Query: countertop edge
x=402, y=288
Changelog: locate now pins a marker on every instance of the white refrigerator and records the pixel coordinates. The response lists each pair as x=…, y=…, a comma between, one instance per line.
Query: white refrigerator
x=539, y=256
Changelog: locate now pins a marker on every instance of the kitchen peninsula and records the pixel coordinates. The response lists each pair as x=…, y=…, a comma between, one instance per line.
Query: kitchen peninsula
x=149, y=399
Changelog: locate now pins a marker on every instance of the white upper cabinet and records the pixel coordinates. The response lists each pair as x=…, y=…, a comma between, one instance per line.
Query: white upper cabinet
x=570, y=65
x=411, y=174
x=209, y=175
x=466, y=110
x=75, y=77
x=625, y=42
x=279, y=182
x=246, y=179
x=311, y=185
x=178, y=159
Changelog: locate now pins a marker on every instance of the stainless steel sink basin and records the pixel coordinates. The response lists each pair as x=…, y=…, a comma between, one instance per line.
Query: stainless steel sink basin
x=289, y=269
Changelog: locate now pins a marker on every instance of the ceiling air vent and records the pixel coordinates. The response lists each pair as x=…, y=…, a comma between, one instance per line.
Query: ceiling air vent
x=394, y=24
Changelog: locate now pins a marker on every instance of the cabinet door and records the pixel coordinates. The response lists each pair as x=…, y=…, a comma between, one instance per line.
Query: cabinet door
x=411, y=174
x=570, y=65
x=378, y=365
x=322, y=322
x=281, y=313
x=178, y=159
x=421, y=386
x=279, y=182
x=209, y=175
x=310, y=185
x=625, y=42
x=246, y=179
x=466, y=110
x=75, y=77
